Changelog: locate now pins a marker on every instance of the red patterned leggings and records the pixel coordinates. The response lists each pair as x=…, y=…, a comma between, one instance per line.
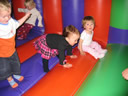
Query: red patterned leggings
x=23, y=31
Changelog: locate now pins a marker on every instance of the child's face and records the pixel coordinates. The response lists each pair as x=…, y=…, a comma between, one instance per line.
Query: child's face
x=73, y=38
x=28, y=6
x=5, y=16
x=89, y=26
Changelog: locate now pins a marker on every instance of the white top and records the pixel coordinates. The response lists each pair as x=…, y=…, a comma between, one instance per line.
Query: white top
x=8, y=30
x=87, y=38
x=35, y=14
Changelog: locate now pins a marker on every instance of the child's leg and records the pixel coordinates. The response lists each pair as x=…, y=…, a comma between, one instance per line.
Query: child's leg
x=12, y=82
x=91, y=51
x=15, y=67
x=26, y=30
x=97, y=47
x=57, y=56
x=18, y=77
x=20, y=30
x=45, y=65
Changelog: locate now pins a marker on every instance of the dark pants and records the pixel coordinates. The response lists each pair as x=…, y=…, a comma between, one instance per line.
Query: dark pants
x=9, y=66
x=45, y=65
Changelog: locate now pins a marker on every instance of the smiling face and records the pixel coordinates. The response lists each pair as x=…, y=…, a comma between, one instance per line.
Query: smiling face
x=89, y=25
x=5, y=16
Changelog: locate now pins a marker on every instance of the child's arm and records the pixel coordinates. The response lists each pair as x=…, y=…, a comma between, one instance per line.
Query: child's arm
x=23, y=19
x=80, y=47
x=61, y=57
x=73, y=56
x=40, y=20
x=24, y=10
x=125, y=74
x=69, y=52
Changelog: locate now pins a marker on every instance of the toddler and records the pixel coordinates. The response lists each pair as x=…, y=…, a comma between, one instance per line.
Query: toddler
x=86, y=44
x=23, y=31
x=50, y=45
x=9, y=61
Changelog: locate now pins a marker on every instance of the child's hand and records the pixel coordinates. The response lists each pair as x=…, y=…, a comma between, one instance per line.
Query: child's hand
x=28, y=14
x=40, y=25
x=67, y=65
x=82, y=53
x=22, y=20
x=125, y=74
x=73, y=56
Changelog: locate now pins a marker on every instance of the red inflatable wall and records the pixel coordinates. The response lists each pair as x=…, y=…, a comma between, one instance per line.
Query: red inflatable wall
x=100, y=10
x=52, y=16
x=18, y=4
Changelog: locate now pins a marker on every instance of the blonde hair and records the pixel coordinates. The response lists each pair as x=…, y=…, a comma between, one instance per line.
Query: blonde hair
x=87, y=18
x=30, y=3
x=4, y=5
x=70, y=29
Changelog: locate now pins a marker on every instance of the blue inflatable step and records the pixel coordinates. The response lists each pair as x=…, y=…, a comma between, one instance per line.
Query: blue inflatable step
x=32, y=71
x=35, y=32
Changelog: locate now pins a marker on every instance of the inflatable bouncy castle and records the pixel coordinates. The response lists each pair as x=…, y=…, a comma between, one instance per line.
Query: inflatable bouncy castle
x=88, y=76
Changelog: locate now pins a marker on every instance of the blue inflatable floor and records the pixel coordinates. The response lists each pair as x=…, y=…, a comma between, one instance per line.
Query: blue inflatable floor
x=32, y=71
x=35, y=32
